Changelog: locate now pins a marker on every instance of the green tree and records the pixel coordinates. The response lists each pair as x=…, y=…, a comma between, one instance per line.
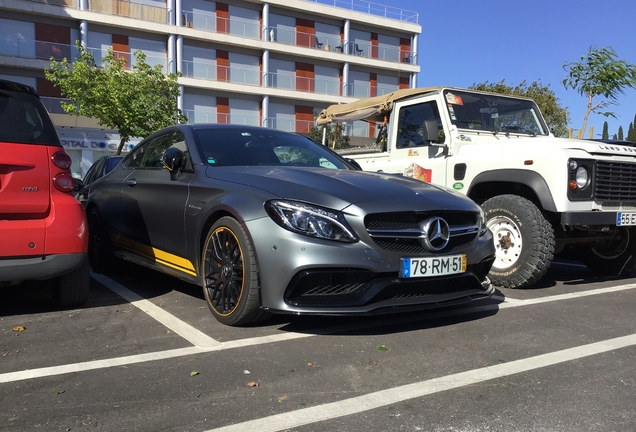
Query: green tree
x=335, y=137
x=631, y=132
x=620, y=133
x=605, y=134
x=135, y=102
x=599, y=73
x=555, y=115
x=615, y=137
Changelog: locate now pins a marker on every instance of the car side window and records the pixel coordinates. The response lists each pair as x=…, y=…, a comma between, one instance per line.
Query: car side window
x=91, y=175
x=150, y=154
x=136, y=156
x=411, y=124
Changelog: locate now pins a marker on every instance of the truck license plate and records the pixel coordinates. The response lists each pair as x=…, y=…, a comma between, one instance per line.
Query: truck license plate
x=624, y=219
x=435, y=266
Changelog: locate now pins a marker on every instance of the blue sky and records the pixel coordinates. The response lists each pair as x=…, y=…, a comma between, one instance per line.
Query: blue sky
x=467, y=41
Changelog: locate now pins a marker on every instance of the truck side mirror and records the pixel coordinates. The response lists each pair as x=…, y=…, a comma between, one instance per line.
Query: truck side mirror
x=431, y=129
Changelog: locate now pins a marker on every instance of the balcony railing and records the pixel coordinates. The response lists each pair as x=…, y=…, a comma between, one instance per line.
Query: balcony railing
x=28, y=48
x=152, y=60
x=69, y=3
x=213, y=23
x=363, y=91
x=211, y=116
x=129, y=9
x=289, y=81
x=288, y=125
x=370, y=8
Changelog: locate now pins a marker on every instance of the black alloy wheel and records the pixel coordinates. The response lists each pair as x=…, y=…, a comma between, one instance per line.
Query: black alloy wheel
x=230, y=276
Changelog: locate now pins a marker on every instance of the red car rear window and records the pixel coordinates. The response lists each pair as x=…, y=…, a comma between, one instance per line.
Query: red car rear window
x=23, y=118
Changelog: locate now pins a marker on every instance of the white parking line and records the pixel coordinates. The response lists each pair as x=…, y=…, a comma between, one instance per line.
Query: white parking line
x=329, y=411
x=97, y=364
x=183, y=329
x=568, y=296
x=240, y=343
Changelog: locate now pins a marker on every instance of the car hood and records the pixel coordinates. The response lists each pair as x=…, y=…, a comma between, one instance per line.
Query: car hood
x=338, y=189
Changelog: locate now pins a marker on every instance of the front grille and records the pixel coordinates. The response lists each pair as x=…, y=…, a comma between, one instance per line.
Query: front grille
x=615, y=181
x=407, y=220
x=338, y=288
x=421, y=289
x=464, y=231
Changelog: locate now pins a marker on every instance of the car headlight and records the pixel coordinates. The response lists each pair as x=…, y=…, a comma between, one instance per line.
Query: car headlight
x=483, y=226
x=309, y=220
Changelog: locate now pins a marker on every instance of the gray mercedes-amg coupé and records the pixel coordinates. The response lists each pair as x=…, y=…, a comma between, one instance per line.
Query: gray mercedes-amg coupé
x=271, y=222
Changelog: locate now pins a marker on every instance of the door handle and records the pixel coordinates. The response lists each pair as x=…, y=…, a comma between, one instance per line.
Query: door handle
x=131, y=182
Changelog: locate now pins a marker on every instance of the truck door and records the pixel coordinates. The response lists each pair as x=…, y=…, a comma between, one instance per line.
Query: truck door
x=412, y=154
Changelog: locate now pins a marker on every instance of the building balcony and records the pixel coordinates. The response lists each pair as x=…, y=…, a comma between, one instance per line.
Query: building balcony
x=129, y=9
x=370, y=8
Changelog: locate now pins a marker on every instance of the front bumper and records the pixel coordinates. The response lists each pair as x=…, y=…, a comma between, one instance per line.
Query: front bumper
x=300, y=274
x=573, y=219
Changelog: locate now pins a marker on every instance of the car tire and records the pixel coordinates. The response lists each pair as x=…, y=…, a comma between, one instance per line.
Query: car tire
x=71, y=289
x=616, y=257
x=229, y=275
x=100, y=247
x=524, y=241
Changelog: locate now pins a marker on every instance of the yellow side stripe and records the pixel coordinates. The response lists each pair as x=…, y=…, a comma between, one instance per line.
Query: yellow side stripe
x=159, y=256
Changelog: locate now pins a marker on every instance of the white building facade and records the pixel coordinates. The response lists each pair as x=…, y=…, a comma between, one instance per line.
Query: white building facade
x=270, y=63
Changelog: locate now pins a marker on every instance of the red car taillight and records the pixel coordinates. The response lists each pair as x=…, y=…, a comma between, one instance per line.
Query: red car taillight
x=61, y=160
x=64, y=182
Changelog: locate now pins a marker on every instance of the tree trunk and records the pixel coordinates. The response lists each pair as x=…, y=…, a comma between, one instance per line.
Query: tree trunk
x=587, y=113
x=121, y=145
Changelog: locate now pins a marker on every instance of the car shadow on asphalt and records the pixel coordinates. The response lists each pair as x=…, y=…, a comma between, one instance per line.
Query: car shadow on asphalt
x=570, y=273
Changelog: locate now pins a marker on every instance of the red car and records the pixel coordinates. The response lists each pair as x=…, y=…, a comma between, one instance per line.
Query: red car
x=43, y=228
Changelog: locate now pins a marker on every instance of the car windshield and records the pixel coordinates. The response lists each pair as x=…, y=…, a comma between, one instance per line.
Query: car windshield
x=494, y=113
x=229, y=146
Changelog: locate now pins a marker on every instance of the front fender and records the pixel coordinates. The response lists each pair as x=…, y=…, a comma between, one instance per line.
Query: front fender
x=531, y=179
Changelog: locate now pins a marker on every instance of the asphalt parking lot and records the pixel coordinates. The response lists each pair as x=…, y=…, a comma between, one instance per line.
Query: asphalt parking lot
x=145, y=354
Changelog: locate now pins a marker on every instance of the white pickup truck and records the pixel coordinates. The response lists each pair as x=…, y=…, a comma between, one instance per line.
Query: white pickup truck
x=542, y=195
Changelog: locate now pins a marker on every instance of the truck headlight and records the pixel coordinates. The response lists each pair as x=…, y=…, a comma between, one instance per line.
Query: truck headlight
x=309, y=220
x=581, y=173
x=582, y=177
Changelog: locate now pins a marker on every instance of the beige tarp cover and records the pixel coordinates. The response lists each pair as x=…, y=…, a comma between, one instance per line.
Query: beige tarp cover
x=368, y=108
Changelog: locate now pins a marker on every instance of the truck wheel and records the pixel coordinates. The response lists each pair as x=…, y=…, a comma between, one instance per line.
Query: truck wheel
x=524, y=241
x=616, y=257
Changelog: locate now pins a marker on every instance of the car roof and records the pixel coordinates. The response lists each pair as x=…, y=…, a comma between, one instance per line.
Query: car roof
x=16, y=86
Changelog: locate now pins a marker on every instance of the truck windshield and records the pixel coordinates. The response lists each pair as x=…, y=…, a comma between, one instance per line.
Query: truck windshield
x=494, y=113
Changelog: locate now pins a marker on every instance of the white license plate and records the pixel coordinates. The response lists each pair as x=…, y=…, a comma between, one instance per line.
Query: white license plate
x=436, y=266
x=623, y=219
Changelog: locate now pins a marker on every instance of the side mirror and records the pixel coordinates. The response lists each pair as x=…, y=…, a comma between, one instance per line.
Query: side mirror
x=173, y=160
x=431, y=129
x=78, y=184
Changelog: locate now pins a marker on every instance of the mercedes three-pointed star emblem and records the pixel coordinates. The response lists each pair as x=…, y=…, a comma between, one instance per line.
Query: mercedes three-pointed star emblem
x=436, y=233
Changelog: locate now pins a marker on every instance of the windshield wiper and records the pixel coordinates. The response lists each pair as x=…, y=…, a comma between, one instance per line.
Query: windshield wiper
x=518, y=129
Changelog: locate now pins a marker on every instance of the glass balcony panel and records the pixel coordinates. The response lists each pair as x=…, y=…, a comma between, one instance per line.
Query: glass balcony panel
x=327, y=86
x=199, y=70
